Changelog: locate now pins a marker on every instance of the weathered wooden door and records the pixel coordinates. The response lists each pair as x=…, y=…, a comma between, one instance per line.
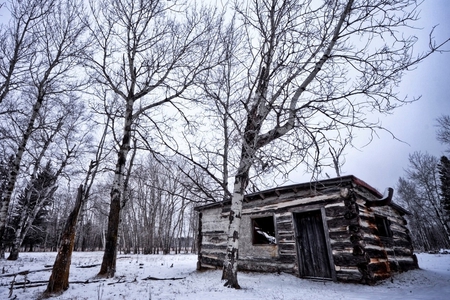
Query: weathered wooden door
x=313, y=256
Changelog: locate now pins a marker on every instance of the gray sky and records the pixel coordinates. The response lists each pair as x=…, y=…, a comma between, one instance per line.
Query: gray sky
x=383, y=161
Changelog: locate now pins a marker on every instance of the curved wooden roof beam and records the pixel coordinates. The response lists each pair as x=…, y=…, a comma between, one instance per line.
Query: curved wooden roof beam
x=386, y=200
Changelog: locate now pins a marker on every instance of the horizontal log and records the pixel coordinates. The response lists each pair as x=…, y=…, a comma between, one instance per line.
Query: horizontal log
x=272, y=267
x=335, y=211
x=213, y=232
x=348, y=259
x=406, y=265
x=213, y=247
x=212, y=253
x=349, y=274
x=339, y=235
x=340, y=245
x=338, y=222
x=286, y=247
x=207, y=266
x=376, y=252
x=286, y=227
x=283, y=217
x=288, y=252
x=278, y=204
x=402, y=253
x=379, y=270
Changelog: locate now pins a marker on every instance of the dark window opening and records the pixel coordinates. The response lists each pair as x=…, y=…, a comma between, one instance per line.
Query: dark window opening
x=383, y=226
x=263, y=231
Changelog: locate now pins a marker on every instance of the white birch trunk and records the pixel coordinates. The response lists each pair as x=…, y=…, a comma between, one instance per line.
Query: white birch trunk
x=254, y=140
x=230, y=263
x=12, y=176
x=108, y=267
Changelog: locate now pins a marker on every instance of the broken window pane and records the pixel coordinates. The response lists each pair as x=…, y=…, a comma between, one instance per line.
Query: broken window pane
x=383, y=226
x=263, y=231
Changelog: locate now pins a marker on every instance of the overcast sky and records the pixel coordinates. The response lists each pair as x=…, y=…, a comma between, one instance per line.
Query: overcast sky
x=383, y=161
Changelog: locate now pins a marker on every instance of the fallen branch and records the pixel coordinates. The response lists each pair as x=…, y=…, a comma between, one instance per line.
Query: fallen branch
x=156, y=278
x=26, y=272
x=88, y=266
x=118, y=281
x=28, y=284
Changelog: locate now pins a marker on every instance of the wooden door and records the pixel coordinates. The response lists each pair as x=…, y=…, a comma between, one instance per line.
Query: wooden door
x=313, y=256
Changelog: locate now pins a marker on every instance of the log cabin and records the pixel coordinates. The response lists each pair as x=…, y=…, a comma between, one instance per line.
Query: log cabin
x=339, y=229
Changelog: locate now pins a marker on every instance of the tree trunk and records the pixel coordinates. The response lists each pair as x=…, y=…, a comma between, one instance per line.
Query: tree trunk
x=108, y=267
x=230, y=263
x=59, y=280
x=14, y=172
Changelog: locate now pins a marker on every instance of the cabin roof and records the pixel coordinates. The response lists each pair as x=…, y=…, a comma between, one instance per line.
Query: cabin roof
x=322, y=185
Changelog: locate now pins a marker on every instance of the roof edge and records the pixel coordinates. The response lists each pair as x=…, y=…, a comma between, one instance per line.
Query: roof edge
x=330, y=182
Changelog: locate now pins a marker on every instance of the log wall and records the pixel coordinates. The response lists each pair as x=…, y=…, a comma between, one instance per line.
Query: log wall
x=358, y=253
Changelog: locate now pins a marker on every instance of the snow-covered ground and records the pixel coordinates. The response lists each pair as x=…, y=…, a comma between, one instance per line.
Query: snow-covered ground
x=431, y=281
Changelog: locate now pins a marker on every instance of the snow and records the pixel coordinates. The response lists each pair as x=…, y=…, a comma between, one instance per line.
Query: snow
x=431, y=281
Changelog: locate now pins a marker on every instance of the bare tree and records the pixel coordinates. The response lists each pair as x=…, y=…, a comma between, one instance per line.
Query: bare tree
x=420, y=192
x=55, y=54
x=337, y=152
x=17, y=39
x=443, y=132
x=148, y=55
x=314, y=67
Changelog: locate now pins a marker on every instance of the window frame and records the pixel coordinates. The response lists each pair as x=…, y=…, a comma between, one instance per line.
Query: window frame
x=383, y=226
x=265, y=227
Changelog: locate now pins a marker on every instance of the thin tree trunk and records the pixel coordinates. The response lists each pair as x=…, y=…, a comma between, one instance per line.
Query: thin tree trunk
x=59, y=280
x=14, y=253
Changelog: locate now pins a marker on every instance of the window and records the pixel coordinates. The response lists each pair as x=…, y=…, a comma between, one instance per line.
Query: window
x=263, y=231
x=383, y=226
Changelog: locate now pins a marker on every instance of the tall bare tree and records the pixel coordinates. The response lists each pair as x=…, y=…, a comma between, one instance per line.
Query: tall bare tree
x=420, y=192
x=148, y=54
x=314, y=67
x=56, y=49
x=210, y=142
x=17, y=39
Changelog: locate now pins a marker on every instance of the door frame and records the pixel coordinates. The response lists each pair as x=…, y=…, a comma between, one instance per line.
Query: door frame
x=327, y=243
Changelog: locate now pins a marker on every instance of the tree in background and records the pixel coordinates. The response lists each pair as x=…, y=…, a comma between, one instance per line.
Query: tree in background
x=444, y=176
x=420, y=193
x=32, y=209
x=443, y=132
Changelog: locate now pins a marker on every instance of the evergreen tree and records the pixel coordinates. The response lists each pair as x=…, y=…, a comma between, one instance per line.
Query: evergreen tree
x=4, y=171
x=444, y=176
x=32, y=209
